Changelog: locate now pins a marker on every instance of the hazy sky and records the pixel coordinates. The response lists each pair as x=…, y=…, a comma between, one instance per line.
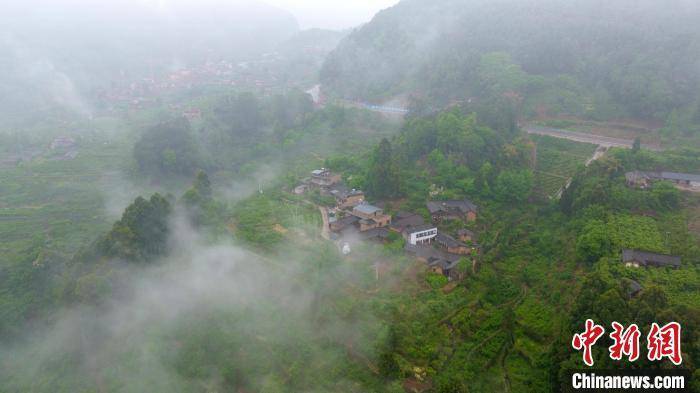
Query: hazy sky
x=332, y=14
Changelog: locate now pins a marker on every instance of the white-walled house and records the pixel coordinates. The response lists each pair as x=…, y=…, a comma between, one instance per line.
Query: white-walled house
x=420, y=234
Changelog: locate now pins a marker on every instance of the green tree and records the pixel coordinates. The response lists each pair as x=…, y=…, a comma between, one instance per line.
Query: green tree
x=383, y=174
x=167, y=148
x=514, y=185
x=594, y=242
x=141, y=233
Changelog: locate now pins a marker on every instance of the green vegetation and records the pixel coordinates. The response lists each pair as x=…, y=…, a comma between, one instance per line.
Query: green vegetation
x=583, y=59
x=219, y=278
x=558, y=160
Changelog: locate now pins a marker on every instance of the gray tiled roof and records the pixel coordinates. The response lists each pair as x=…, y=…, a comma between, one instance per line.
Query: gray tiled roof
x=403, y=221
x=419, y=228
x=463, y=206
x=366, y=208
x=635, y=175
x=650, y=258
x=448, y=241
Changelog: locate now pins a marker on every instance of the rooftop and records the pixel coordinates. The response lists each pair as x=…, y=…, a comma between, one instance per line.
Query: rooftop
x=635, y=175
x=419, y=228
x=427, y=252
x=403, y=221
x=463, y=205
x=442, y=263
x=448, y=241
x=366, y=208
x=650, y=258
x=341, y=191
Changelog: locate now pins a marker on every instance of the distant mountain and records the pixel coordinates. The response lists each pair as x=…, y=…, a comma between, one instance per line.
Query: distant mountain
x=591, y=58
x=55, y=50
x=305, y=53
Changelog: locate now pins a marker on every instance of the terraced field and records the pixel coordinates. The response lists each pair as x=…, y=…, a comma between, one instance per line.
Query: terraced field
x=557, y=161
x=58, y=205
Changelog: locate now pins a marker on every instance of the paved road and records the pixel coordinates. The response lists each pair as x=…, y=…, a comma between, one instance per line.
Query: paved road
x=599, y=140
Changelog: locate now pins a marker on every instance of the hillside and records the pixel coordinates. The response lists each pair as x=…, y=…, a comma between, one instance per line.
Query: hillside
x=588, y=58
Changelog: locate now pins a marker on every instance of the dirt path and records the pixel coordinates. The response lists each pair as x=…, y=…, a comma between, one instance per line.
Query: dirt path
x=325, y=231
x=599, y=152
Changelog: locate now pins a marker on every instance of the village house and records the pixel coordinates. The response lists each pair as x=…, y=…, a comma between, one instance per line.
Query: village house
x=631, y=287
x=444, y=267
x=340, y=224
x=644, y=180
x=192, y=114
x=403, y=220
x=324, y=178
x=452, y=245
x=438, y=261
x=637, y=258
x=466, y=236
x=345, y=198
x=370, y=217
x=376, y=234
x=421, y=234
x=62, y=142
x=463, y=210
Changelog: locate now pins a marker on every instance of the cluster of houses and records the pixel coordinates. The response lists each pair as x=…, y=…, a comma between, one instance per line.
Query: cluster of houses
x=144, y=92
x=643, y=180
x=354, y=219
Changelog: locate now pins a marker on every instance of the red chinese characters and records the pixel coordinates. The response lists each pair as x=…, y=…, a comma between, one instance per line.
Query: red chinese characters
x=662, y=342
x=587, y=339
x=625, y=342
x=665, y=342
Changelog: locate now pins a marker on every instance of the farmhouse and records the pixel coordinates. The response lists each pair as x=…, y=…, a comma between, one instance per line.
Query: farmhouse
x=644, y=179
x=444, y=267
x=403, y=221
x=631, y=287
x=370, y=217
x=452, y=245
x=463, y=210
x=438, y=261
x=466, y=236
x=637, y=258
x=346, y=198
x=340, y=224
x=62, y=142
x=377, y=234
x=324, y=178
x=420, y=234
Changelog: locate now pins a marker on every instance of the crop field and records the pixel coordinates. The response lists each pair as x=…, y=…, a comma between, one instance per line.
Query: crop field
x=557, y=161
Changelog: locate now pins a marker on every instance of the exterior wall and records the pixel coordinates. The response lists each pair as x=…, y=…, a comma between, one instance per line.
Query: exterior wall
x=383, y=220
x=459, y=250
x=471, y=216
x=423, y=236
x=380, y=221
x=352, y=201
x=466, y=238
x=367, y=226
